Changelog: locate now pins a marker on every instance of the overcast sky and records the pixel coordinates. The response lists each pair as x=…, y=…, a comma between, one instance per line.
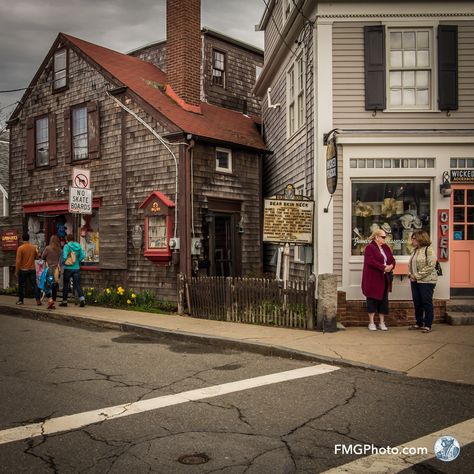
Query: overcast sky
x=29, y=27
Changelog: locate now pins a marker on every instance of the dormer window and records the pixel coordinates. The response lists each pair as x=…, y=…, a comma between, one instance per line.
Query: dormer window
x=60, y=69
x=218, y=68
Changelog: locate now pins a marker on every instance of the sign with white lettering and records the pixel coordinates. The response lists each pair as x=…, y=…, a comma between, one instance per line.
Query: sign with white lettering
x=81, y=178
x=462, y=176
x=288, y=221
x=80, y=200
x=443, y=235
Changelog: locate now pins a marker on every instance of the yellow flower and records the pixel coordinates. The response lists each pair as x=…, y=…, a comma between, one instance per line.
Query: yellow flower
x=89, y=294
x=120, y=290
x=129, y=302
x=107, y=290
x=133, y=295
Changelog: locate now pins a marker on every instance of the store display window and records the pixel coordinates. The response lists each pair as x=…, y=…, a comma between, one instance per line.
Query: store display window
x=89, y=238
x=397, y=207
x=159, y=212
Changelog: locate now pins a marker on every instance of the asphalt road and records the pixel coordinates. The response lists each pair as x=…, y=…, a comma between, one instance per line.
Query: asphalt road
x=49, y=370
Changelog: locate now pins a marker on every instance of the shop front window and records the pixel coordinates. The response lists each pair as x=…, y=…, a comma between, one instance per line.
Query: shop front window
x=89, y=238
x=397, y=207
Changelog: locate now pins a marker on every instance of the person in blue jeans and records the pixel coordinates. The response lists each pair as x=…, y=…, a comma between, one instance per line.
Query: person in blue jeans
x=423, y=278
x=72, y=250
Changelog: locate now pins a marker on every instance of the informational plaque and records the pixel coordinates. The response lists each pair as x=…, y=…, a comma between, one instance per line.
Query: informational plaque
x=288, y=220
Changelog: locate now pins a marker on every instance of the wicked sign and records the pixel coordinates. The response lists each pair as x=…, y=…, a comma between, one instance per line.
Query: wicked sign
x=9, y=240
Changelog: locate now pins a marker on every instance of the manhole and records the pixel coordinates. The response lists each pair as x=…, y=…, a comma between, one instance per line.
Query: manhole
x=194, y=459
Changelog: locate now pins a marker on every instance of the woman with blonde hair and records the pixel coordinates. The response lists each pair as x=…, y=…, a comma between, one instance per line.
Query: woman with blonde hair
x=376, y=281
x=52, y=255
x=423, y=277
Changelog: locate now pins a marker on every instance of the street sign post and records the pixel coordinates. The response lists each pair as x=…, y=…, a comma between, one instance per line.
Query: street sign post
x=80, y=200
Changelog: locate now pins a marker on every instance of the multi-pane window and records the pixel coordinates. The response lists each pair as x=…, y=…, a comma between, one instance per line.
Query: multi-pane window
x=223, y=160
x=157, y=232
x=218, y=68
x=42, y=141
x=410, y=68
x=79, y=133
x=296, y=96
x=60, y=69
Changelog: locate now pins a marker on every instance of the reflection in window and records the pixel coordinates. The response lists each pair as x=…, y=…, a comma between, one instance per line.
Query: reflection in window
x=398, y=208
x=79, y=133
x=42, y=142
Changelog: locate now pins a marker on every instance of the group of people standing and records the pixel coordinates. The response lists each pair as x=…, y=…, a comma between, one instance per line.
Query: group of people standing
x=377, y=277
x=58, y=261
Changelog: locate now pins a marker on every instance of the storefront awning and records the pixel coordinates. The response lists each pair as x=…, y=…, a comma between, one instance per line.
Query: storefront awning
x=54, y=207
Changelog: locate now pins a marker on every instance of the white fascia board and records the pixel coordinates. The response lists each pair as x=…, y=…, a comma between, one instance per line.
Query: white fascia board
x=403, y=139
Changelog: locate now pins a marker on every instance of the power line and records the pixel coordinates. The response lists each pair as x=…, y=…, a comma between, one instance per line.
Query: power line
x=14, y=90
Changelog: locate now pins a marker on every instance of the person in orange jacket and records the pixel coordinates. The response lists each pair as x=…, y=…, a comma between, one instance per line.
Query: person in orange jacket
x=26, y=255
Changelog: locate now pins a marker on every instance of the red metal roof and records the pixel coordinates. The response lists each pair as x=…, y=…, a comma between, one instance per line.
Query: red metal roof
x=148, y=82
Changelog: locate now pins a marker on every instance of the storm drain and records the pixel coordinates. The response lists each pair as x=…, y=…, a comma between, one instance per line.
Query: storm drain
x=194, y=459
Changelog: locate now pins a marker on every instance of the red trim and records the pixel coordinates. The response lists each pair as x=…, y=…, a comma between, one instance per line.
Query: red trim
x=160, y=196
x=54, y=206
x=91, y=268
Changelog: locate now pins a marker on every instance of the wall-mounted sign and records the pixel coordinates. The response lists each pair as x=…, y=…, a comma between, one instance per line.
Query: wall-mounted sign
x=9, y=240
x=80, y=201
x=81, y=178
x=331, y=166
x=288, y=220
x=443, y=235
x=462, y=176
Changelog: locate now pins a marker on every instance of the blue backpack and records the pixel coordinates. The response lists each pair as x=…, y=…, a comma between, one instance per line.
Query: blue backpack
x=47, y=281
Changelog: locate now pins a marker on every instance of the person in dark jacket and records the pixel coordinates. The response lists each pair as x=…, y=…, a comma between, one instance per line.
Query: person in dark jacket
x=376, y=281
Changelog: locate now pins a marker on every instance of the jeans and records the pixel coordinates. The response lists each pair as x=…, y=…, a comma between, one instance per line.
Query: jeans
x=422, y=294
x=76, y=283
x=23, y=277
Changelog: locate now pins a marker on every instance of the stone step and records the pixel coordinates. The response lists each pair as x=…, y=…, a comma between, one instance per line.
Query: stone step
x=457, y=318
x=461, y=306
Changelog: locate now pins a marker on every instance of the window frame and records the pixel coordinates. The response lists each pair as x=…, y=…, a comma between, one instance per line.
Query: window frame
x=55, y=71
x=219, y=169
x=86, y=133
x=44, y=118
x=295, y=96
x=298, y=255
x=223, y=71
x=431, y=28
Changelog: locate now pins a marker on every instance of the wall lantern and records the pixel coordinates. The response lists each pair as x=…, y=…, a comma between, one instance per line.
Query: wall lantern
x=445, y=186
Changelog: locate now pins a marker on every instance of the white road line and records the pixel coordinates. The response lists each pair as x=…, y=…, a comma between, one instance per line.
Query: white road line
x=392, y=463
x=72, y=422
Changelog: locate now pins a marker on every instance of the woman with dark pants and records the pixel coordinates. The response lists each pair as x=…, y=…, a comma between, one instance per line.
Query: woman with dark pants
x=423, y=278
x=376, y=281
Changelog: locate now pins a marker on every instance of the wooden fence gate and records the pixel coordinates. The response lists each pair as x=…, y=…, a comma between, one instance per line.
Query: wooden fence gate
x=251, y=300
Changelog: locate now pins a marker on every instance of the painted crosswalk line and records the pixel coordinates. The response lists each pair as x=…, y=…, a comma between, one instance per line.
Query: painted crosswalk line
x=79, y=420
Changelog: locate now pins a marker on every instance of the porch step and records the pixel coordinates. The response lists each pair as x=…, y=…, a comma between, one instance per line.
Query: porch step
x=458, y=318
x=460, y=306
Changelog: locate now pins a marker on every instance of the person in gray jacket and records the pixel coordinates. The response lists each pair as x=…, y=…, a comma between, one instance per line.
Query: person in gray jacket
x=423, y=278
x=73, y=255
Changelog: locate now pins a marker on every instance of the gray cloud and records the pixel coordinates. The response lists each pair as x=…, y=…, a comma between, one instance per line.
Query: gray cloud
x=29, y=27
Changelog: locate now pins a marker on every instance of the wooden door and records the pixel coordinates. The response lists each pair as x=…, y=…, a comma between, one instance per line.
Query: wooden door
x=462, y=236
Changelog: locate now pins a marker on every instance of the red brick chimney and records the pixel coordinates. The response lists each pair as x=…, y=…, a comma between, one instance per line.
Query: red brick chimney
x=183, y=50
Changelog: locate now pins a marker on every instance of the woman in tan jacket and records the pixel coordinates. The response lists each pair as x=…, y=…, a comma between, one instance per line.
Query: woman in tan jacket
x=423, y=278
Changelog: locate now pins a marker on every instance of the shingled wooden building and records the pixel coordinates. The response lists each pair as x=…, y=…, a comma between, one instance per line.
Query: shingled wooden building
x=175, y=175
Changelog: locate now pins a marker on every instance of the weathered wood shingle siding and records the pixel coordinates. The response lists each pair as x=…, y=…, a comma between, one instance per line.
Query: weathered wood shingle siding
x=154, y=54
x=240, y=76
x=348, y=85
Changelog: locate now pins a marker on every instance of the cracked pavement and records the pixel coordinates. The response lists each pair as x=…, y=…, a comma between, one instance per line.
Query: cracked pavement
x=50, y=370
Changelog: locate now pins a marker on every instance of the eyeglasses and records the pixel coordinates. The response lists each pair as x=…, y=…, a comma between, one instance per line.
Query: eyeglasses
x=383, y=236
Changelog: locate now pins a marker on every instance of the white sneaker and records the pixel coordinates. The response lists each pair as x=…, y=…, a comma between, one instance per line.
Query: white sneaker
x=382, y=327
x=372, y=327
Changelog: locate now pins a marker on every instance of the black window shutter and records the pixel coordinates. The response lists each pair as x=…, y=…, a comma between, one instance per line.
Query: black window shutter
x=30, y=143
x=447, y=67
x=374, y=55
x=52, y=139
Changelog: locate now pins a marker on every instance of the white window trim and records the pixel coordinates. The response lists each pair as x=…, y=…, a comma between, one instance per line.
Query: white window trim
x=409, y=25
x=55, y=71
x=298, y=252
x=229, y=154
x=293, y=66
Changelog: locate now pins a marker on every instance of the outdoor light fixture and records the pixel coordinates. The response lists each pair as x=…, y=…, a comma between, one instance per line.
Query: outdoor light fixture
x=445, y=186
x=60, y=191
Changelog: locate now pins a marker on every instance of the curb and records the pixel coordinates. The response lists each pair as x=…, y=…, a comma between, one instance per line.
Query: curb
x=183, y=336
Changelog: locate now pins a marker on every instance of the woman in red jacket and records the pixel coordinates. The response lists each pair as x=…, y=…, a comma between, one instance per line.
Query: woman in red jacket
x=376, y=281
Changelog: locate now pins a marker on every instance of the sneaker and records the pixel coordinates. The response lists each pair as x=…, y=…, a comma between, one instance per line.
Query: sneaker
x=63, y=304
x=372, y=327
x=382, y=327
x=38, y=303
x=82, y=304
x=19, y=302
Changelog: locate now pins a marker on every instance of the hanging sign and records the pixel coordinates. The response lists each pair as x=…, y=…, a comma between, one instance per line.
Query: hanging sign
x=443, y=235
x=462, y=176
x=9, y=240
x=331, y=166
x=80, y=200
x=81, y=178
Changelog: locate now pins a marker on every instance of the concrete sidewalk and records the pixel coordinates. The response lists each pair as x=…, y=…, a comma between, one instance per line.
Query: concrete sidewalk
x=447, y=353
